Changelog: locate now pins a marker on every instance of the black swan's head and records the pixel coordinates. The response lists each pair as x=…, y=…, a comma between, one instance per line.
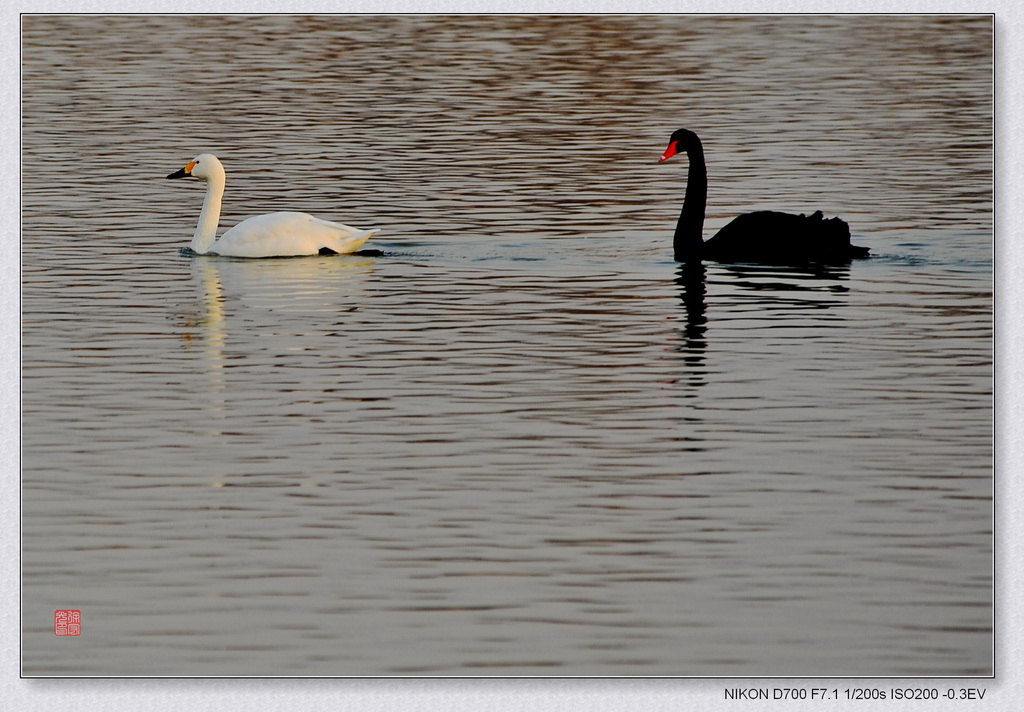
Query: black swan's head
x=681, y=140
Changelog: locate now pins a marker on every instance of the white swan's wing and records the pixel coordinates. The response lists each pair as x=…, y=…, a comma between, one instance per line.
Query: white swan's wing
x=287, y=234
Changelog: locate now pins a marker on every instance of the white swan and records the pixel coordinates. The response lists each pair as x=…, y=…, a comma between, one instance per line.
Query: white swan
x=271, y=235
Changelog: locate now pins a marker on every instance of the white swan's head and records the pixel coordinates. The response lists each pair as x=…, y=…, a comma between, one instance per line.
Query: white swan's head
x=204, y=166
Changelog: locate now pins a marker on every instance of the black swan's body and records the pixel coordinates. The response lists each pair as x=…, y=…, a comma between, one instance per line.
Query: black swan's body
x=763, y=236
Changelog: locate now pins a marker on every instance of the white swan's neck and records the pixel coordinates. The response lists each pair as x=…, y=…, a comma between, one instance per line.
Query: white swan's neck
x=206, y=230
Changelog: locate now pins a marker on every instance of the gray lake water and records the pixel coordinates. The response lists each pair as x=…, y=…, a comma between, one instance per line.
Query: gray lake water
x=517, y=439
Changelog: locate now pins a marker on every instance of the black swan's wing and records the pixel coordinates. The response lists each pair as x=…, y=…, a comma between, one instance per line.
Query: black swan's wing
x=783, y=237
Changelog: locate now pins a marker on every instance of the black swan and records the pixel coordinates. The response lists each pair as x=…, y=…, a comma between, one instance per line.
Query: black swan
x=764, y=236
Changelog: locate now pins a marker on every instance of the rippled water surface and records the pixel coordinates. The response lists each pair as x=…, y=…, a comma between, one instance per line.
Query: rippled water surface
x=517, y=438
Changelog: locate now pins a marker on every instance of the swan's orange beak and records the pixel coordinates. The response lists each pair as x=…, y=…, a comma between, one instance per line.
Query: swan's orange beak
x=184, y=172
x=672, y=150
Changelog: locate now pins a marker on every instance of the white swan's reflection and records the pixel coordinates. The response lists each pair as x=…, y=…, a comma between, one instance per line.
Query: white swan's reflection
x=238, y=300
x=210, y=323
x=295, y=284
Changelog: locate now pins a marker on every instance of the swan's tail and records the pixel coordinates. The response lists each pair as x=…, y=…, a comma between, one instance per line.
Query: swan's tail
x=834, y=235
x=351, y=243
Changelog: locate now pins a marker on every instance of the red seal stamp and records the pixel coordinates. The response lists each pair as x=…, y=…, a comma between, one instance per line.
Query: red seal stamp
x=67, y=622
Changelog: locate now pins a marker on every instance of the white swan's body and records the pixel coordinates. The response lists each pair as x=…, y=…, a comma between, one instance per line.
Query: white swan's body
x=282, y=234
x=271, y=235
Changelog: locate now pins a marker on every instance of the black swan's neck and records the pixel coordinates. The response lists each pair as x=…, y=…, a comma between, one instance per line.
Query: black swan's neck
x=690, y=228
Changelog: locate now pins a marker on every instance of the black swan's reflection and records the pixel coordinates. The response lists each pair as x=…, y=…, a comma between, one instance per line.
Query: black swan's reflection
x=806, y=279
x=809, y=287
x=690, y=278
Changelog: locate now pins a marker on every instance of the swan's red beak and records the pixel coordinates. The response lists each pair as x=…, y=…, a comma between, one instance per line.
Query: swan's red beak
x=672, y=150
